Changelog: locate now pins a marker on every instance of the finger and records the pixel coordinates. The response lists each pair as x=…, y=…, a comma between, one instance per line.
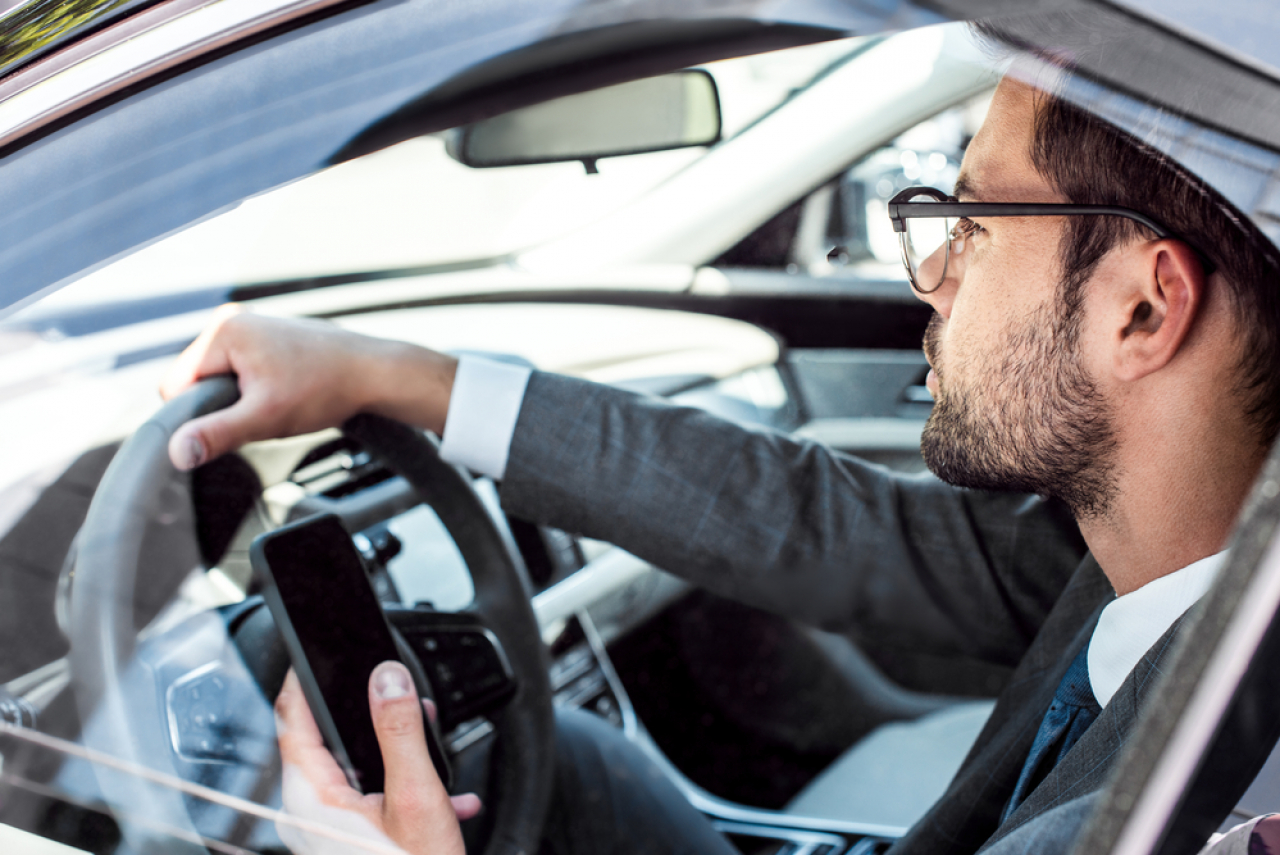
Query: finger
x=208, y=437
x=415, y=804
x=187, y=447
x=293, y=715
x=201, y=358
x=466, y=805
x=397, y=719
x=302, y=746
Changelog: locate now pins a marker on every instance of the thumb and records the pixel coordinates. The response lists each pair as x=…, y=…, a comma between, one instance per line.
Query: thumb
x=414, y=802
x=207, y=437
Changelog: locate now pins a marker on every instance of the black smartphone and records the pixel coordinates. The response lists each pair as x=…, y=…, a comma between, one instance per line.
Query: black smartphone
x=315, y=584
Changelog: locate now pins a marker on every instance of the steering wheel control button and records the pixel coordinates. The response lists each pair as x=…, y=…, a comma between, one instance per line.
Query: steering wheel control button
x=464, y=661
x=466, y=669
x=199, y=707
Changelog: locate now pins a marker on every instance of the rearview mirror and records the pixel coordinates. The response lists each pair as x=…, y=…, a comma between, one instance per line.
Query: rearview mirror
x=655, y=114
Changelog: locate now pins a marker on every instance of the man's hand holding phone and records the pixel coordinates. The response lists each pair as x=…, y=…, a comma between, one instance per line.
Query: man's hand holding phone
x=415, y=813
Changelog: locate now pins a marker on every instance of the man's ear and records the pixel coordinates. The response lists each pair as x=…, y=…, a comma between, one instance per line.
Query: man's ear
x=1160, y=307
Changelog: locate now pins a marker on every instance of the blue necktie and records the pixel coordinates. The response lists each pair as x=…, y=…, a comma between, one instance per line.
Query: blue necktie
x=1073, y=709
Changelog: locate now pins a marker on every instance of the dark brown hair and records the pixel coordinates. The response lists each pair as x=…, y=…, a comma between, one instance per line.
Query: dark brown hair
x=1089, y=161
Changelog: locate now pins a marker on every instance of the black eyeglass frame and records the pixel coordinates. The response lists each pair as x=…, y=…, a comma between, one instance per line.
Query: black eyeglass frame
x=901, y=210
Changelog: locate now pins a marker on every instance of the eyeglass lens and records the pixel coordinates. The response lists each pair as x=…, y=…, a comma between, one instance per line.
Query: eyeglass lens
x=923, y=237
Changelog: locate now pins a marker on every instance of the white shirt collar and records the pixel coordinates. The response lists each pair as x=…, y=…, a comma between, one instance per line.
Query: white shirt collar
x=1131, y=624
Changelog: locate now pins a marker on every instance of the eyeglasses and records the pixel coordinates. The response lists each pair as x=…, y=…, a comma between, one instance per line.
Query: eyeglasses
x=925, y=219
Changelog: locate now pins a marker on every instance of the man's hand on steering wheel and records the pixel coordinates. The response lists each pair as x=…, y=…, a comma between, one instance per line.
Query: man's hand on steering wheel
x=300, y=376
x=415, y=814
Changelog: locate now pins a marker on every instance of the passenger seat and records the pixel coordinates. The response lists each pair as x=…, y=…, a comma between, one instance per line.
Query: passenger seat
x=897, y=771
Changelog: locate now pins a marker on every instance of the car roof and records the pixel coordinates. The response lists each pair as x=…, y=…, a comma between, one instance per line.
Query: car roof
x=33, y=29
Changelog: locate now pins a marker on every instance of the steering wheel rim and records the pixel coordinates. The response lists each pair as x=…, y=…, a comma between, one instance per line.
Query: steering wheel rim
x=102, y=639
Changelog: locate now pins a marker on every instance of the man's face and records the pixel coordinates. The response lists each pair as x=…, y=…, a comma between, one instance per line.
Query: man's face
x=1015, y=407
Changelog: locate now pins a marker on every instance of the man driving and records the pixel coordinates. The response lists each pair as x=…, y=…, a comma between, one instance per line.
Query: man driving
x=1098, y=375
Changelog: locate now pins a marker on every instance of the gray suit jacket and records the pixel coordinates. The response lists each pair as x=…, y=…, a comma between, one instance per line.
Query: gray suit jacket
x=795, y=528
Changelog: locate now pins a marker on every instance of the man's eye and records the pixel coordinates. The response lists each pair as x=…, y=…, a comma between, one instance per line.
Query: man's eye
x=966, y=227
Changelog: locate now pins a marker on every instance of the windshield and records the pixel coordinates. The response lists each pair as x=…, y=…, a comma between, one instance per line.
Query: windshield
x=412, y=206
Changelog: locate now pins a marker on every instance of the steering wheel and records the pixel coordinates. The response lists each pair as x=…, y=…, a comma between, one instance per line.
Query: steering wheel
x=103, y=638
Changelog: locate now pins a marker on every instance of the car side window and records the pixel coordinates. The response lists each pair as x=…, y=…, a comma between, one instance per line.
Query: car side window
x=841, y=229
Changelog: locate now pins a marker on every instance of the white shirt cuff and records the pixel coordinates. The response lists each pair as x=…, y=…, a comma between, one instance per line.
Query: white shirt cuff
x=483, y=409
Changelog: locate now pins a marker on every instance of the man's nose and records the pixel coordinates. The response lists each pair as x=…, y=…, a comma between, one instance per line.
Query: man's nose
x=935, y=269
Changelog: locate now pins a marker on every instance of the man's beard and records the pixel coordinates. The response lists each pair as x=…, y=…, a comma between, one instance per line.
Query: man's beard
x=1028, y=420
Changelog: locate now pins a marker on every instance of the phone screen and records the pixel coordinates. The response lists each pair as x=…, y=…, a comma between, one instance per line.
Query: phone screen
x=326, y=609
